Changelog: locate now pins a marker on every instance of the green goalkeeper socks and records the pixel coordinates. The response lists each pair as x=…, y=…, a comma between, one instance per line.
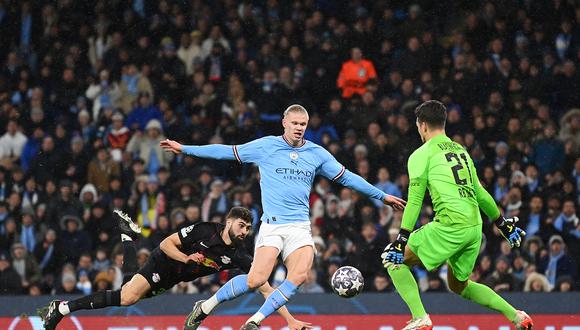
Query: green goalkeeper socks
x=485, y=296
x=408, y=289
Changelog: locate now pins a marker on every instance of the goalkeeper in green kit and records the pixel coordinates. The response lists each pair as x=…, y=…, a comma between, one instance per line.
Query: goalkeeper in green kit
x=454, y=236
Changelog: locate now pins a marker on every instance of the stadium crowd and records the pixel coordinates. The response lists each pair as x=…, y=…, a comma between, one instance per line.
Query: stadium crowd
x=89, y=89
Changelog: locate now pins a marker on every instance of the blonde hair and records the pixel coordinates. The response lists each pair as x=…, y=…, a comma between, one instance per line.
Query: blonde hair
x=296, y=108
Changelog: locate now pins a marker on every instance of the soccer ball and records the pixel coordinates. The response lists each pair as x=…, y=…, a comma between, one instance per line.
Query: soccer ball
x=347, y=282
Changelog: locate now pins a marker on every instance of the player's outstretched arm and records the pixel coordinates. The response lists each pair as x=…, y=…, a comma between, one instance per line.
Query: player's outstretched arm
x=215, y=151
x=353, y=181
x=507, y=226
x=293, y=324
x=170, y=246
x=334, y=171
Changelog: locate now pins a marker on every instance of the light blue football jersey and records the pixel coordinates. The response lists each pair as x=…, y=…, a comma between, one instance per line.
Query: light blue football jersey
x=287, y=175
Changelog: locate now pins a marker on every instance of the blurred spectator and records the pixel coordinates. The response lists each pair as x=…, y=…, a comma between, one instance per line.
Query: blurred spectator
x=73, y=240
x=28, y=231
x=48, y=164
x=151, y=203
x=565, y=284
x=502, y=279
x=536, y=283
x=101, y=169
x=63, y=204
x=215, y=202
x=355, y=74
x=311, y=284
x=368, y=243
x=47, y=254
x=557, y=263
x=385, y=184
x=548, y=152
x=146, y=146
x=382, y=283
x=570, y=128
x=11, y=144
x=68, y=285
x=435, y=283
x=104, y=93
x=567, y=222
x=102, y=282
x=84, y=283
x=25, y=265
x=117, y=137
x=143, y=113
x=10, y=281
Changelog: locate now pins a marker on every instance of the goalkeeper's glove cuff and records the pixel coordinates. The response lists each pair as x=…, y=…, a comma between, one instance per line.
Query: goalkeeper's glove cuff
x=403, y=236
x=500, y=221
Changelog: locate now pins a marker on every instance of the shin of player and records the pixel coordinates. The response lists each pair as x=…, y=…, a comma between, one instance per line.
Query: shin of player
x=298, y=264
x=258, y=279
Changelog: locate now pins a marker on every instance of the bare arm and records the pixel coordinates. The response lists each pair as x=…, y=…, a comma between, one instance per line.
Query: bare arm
x=170, y=246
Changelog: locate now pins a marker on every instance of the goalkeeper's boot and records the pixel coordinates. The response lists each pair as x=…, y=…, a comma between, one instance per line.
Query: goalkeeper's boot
x=523, y=321
x=50, y=315
x=194, y=319
x=420, y=323
x=126, y=225
x=250, y=326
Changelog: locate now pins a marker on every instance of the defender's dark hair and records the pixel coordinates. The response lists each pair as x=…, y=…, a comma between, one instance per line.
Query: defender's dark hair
x=433, y=113
x=238, y=212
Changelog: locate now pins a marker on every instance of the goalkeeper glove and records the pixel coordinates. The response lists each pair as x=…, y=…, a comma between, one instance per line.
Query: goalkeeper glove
x=394, y=253
x=509, y=230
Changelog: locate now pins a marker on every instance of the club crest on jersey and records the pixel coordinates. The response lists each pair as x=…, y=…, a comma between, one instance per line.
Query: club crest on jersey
x=293, y=155
x=156, y=278
x=226, y=260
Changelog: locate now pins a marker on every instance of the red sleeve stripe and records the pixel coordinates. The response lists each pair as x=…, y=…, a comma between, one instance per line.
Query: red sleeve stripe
x=339, y=174
x=236, y=154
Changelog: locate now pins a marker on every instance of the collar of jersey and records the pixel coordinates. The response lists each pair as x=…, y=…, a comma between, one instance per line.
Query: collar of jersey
x=290, y=144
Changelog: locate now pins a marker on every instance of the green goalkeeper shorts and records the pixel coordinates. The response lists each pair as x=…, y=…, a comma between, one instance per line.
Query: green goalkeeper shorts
x=435, y=244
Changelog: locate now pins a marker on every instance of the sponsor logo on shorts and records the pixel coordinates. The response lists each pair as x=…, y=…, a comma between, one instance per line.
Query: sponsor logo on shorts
x=226, y=260
x=156, y=278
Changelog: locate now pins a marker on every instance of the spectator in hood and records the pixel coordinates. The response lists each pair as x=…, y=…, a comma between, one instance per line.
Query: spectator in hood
x=10, y=281
x=25, y=265
x=64, y=203
x=557, y=263
x=74, y=241
x=146, y=146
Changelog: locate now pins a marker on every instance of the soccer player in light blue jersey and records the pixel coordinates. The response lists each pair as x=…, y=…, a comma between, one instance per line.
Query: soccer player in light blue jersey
x=288, y=165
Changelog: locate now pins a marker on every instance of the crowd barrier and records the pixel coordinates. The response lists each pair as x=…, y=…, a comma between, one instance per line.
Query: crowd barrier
x=551, y=311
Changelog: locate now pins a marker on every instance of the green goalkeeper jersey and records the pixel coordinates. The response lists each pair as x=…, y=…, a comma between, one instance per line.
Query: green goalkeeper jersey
x=446, y=169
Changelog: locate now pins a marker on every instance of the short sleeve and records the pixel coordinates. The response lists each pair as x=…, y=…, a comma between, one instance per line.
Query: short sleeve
x=417, y=163
x=329, y=167
x=191, y=234
x=251, y=152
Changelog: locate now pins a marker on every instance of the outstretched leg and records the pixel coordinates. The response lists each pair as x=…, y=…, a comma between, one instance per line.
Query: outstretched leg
x=298, y=264
x=407, y=286
x=485, y=296
x=128, y=295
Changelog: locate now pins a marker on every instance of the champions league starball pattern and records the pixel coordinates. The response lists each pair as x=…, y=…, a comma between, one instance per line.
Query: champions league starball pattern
x=347, y=282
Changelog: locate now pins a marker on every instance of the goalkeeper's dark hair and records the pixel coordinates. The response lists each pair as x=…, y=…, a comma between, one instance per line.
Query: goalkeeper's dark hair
x=432, y=112
x=238, y=212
